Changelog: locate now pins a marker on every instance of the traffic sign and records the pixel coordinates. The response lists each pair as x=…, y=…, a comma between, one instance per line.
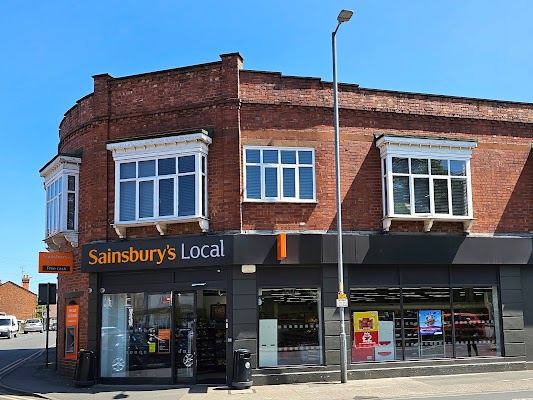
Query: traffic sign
x=342, y=303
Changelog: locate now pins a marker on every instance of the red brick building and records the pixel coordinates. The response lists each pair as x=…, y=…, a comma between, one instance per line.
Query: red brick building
x=18, y=300
x=171, y=187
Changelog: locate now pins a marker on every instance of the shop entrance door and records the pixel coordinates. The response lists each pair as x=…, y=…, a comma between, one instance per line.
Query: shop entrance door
x=200, y=336
x=184, y=337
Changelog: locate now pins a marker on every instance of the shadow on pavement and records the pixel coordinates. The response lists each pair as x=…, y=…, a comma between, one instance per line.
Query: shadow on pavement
x=33, y=377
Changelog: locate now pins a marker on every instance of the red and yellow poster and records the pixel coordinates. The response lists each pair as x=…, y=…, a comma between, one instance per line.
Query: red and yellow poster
x=365, y=326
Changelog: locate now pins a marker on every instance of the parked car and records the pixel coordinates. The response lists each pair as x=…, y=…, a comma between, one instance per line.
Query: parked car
x=33, y=325
x=53, y=326
x=8, y=326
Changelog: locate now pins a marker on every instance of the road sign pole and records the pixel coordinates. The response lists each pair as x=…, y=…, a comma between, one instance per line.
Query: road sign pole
x=47, y=318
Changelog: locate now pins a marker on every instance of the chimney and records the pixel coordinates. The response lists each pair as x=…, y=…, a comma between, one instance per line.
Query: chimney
x=26, y=282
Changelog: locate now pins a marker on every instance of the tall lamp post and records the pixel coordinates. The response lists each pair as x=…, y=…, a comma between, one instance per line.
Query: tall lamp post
x=344, y=16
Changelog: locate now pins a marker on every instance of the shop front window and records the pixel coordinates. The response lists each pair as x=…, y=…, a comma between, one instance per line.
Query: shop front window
x=289, y=327
x=423, y=313
x=386, y=302
x=476, y=322
x=414, y=323
x=135, y=335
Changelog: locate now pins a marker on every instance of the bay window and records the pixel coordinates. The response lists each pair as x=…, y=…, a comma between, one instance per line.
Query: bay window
x=161, y=181
x=61, y=177
x=426, y=180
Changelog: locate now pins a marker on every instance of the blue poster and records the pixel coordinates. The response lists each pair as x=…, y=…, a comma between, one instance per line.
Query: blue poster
x=430, y=322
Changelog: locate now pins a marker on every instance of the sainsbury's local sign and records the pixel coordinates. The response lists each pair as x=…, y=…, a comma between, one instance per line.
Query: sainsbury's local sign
x=158, y=253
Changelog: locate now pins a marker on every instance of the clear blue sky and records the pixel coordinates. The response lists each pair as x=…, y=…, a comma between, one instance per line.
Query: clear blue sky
x=51, y=49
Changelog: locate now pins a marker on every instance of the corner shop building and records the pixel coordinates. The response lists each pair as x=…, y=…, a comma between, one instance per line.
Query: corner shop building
x=168, y=299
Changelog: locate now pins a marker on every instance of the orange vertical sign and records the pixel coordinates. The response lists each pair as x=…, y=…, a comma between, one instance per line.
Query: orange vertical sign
x=282, y=246
x=71, y=331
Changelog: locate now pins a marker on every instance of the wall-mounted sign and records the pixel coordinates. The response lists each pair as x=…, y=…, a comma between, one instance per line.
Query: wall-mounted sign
x=154, y=254
x=71, y=331
x=430, y=322
x=55, y=263
x=365, y=326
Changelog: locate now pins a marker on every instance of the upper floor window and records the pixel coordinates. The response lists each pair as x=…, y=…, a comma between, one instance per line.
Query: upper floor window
x=279, y=174
x=61, y=176
x=161, y=181
x=426, y=179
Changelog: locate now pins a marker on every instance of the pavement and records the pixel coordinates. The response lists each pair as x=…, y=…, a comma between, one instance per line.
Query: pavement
x=33, y=378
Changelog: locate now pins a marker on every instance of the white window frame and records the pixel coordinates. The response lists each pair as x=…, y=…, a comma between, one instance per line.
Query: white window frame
x=391, y=146
x=279, y=167
x=171, y=146
x=56, y=172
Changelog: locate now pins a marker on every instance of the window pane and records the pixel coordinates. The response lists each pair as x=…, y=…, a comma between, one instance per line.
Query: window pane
x=475, y=322
x=146, y=168
x=253, y=156
x=423, y=312
x=71, y=183
x=457, y=168
x=439, y=167
x=289, y=327
x=60, y=212
x=166, y=166
x=186, y=195
x=306, y=183
x=270, y=156
x=204, y=197
x=271, y=182
x=186, y=164
x=289, y=182
x=253, y=182
x=134, y=328
x=421, y=195
x=128, y=170
x=127, y=201
x=166, y=197
x=385, y=301
x=146, y=199
x=419, y=166
x=401, y=197
x=459, y=197
x=305, y=157
x=71, y=207
x=400, y=165
x=288, y=157
x=440, y=194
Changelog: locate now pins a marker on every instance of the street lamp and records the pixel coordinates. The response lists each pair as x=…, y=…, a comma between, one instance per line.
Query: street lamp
x=344, y=16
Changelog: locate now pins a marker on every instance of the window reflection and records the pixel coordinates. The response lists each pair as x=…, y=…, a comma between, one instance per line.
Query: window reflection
x=135, y=335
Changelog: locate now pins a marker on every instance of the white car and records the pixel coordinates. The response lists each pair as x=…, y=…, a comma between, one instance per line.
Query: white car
x=33, y=325
x=8, y=326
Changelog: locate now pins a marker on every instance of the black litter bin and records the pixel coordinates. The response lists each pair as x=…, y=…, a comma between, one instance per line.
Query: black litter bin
x=242, y=369
x=85, y=369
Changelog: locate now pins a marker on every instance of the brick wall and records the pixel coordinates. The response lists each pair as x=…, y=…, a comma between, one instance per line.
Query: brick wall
x=292, y=111
x=17, y=301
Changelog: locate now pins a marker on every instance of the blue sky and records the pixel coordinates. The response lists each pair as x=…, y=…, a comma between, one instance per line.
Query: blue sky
x=51, y=50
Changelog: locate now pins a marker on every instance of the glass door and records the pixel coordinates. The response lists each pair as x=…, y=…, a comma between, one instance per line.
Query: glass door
x=184, y=336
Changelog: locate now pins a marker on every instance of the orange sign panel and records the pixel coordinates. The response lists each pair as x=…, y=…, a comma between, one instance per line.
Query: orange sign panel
x=282, y=246
x=71, y=331
x=56, y=263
